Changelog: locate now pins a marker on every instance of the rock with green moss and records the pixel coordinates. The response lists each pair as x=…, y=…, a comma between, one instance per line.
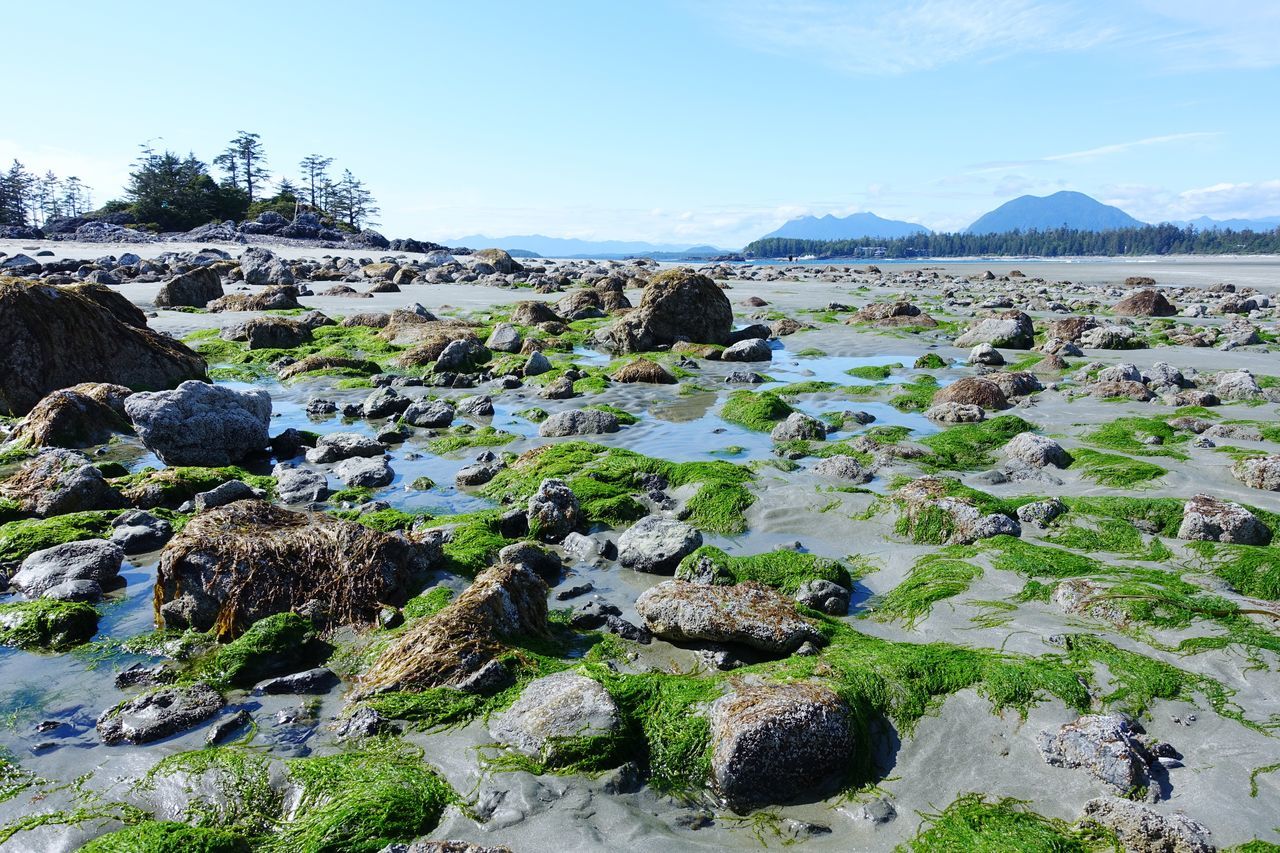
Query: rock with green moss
x=785, y=570
x=933, y=513
x=46, y=624
x=82, y=416
x=557, y=718
x=747, y=614
x=58, y=482
x=154, y=836
x=930, y=361
x=283, y=643
x=21, y=538
x=677, y=304
x=755, y=411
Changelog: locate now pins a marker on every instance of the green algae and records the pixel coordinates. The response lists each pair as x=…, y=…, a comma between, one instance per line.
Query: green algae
x=967, y=447
x=917, y=395
x=1127, y=435
x=933, y=578
x=974, y=824
x=466, y=436
x=930, y=361
x=784, y=569
x=154, y=836
x=873, y=371
x=1109, y=469
x=174, y=486
x=428, y=603
x=21, y=538
x=1252, y=570
x=759, y=411
x=624, y=417
x=46, y=625
x=284, y=642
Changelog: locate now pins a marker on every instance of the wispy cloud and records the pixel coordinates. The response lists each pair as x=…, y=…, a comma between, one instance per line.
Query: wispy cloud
x=1250, y=200
x=885, y=37
x=1091, y=154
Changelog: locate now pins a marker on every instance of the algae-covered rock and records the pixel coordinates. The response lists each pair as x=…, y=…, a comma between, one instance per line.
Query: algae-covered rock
x=773, y=743
x=58, y=482
x=459, y=646
x=643, y=370
x=56, y=337
x=749, y=613
x=91, y=560
x=82, y=416
x=553, y=511
x=677, y=304
x=195, y=288
x=236, y=564
x=579, y=422
x=931, y=514
x=155, y=836
x=554, y=715
x=46, y=624
x=1211, y=519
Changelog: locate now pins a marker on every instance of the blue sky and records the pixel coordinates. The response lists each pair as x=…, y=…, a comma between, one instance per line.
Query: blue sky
x=709, y=121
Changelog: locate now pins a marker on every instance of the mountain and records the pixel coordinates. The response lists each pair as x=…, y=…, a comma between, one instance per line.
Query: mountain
x=564, y=247
x=850, y=227
x=1204, y=223
x=1069, y=209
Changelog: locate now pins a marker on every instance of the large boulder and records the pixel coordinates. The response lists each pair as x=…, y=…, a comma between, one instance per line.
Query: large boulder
x=498, y=259
x=1011, y=330
x=82, y=416
x=643, y=370
x=773, y=743
x=1259, y=472
x=57, y=337
x=972, y=391
x=1142, y=829
x=748, y=614
x=931, y=515
x=676, y=305
x=194, y=289
x=1108, y=746
x=553, y=511
x=579, y=422
x=553, y=713
x=1037, y=451
x=158, y=714
x=275, y=333
x=58, y=482
x=1145, y=303
x=261, y=266
x=282, y=297
x=201, y=424
x=656, y=545
x=459, y=646
x=236, y=564
x=1211, y=519
x=95, y=561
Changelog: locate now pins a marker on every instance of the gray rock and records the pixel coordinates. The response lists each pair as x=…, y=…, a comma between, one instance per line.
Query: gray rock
x=1123, y=372
x=553, y=511
x=986, y=354
x=365, y=472
x=364, y=722
x=1210, y=519
x=433, y=414
x=537, y=364
x=295, y=485
x=1142, y=829
x=159, y=714
x=1013, y=330
x=201, y=424
x=799, y=426
x=554, y=711
x=74, y=590
x=461, y=356
x=477, y=406
x=138, y=532
x=656, y=545
x=1111, y=337
x=261, y=266
x=58, y=482
x=771, y=744
x=841, y=467
x=747, y=613
x=560, y=388
x=1041, y=513
x=195, y=289
x=579, y=422
x=504, y=338
x=1106, y=745
x=385, y=403
x=317, y=680
x=274, y=333
x=228, y=492
x=926, y=497
x=824, y=596
x=1259, y=472
x=955, y=413
x=336, y=446
x=752, y=349
x=94, y=560
x=1037, y=450
x=1237, y=385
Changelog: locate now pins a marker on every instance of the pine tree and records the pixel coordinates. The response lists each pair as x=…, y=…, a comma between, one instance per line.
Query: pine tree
x=315, y=177
x=245, y=163
x=353, y=203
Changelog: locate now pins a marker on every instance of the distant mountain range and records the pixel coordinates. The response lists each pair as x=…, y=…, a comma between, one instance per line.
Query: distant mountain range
x=852, y=227
x=1062, y=209
x=564, y=247
x=1204, y=223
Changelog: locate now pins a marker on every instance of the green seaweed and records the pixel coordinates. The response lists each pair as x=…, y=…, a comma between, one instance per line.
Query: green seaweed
x=967, y=447
x=758, y=411
x=1127, y=434
x=784, y=569
x=933, y=578
x=1109, y=469
x=974, y=824
x=466, y=436
x=284, y=642
x=46, y=624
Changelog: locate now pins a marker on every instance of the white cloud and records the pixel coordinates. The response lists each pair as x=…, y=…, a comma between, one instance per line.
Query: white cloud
x=1091, y=154
x=1225, y=34
x=1218, y=201
x=880, y=37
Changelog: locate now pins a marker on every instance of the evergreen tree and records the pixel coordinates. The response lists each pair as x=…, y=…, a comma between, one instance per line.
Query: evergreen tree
x=178, y=194
x=352, y=202
x=315, y=177
x=245, y=163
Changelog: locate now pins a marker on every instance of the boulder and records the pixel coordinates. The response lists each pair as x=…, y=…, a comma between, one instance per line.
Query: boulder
x=799, y=426
x=932, y=516
x=336, y=446
x=462, y=356
x=433, y=414
x=656, y=544
x=555, y=712
x=1258, y=472
x=82, y=416
x=261, y=266
x=138, y=532
x=892, y=314
x=364, y=472
x=1108, y=746
x=95, y=560
x=1237, y=385
x=459, y=646
x=159, y=714
x=1129, y=389
x=751, y=349
x=384, y=403
x=201, y=424
x=553, y=511
x=774, y=743
x=58, y=482
x=57, y=337
x=279, y=298
x=236, y=564
x=1145, y=303
x=498, y=259
x=986, y=354
x=677, y=304
x=275, y=333
x=194, y=289
x=972, y=391
x=504, y=338
x=824, y=596
x=1037, y=451
x=476, y=406
x=1210, y=519
x=955, y=413
x=532, y=312
x=643, y=370
x=295, y=485
x=1010, y=330
x=749, y=614
x=1142, y=829
x=579, y=422
x=841, y=467
x=1111, y=337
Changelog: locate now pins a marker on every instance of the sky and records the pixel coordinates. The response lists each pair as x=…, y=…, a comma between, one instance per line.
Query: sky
x=706, y=121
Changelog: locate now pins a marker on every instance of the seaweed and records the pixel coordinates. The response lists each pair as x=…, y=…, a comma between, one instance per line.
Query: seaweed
x=1109, y=469
x=978, y=825
x=758, y=411
x=784, y=569
x=933, y=578
x=967, y=447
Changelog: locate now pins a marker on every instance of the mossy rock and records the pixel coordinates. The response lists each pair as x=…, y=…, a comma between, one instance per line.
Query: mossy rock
x=45, y=624
x=272, y=646
x=759, y=411
x=21, y=538
x=784, y=570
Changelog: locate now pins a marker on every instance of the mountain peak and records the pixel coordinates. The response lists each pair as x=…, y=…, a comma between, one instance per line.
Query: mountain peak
x=851, y=227
x=1065, y=208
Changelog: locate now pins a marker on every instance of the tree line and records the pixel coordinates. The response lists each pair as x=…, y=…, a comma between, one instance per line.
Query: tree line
x=1162, y=239
x=169, y=192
